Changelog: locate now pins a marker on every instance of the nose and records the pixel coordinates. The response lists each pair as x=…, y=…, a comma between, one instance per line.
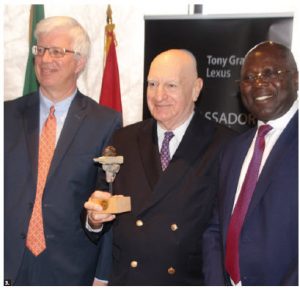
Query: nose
x=160, y=93
x=259, y=79
x=258, y=76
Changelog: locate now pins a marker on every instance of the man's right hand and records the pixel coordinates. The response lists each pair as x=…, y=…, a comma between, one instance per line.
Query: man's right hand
x=96, y=217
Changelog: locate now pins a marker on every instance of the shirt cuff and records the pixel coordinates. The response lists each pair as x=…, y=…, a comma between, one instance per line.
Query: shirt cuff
x=104, y=281
x=90, y=229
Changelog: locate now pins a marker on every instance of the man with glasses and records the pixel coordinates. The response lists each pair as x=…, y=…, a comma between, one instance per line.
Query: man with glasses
x=56, y=52
x=49, y=168
x=254, y=232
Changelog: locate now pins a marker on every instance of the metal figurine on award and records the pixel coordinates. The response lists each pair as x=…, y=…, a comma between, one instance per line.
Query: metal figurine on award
x=111, y=163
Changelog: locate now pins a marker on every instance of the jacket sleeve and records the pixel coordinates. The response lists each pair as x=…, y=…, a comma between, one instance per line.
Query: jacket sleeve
x=213, y=269
x=291, y=277
x=104, y=265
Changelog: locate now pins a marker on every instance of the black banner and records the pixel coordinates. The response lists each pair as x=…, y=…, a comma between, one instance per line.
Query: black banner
x=219, y=44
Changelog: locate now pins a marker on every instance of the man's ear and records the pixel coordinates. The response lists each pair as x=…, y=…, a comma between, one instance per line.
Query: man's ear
x=198, y=84
x=296, y=80
x=81, y=61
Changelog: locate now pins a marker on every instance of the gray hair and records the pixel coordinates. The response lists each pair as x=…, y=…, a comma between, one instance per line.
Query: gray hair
x=80, y=38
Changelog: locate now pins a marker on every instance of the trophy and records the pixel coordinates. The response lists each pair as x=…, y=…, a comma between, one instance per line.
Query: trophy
x=111, y=163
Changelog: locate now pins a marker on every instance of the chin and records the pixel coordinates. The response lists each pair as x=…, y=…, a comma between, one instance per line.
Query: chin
x=264, y=117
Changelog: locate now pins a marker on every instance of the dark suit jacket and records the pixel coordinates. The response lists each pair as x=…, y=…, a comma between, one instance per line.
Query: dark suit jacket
x=71, y=257
x=269, y=238
x=174, y=206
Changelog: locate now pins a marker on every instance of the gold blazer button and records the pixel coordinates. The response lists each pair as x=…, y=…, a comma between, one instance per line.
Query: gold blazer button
x=139, y=223
x=174, y=227
x=171, y=271
x=133, y=264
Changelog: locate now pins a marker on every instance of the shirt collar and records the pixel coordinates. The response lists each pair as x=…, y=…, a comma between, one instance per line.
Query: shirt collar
x=281, y=122
x=60, y=106
x=178, y=132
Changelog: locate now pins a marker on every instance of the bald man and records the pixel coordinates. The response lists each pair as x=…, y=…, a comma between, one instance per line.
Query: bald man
x=160, y=241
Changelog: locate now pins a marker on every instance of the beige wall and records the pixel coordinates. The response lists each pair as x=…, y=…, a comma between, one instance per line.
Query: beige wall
x=129, y=19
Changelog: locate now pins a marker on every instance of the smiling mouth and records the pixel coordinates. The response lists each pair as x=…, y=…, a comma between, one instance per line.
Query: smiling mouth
x=162, y=105
x=46, y=71
x=262, y=98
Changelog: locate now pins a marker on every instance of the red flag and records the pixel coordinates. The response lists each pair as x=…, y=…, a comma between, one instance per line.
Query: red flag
x=110, y=91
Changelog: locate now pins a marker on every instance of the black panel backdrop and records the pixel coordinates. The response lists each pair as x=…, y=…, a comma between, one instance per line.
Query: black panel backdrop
x=219, y=44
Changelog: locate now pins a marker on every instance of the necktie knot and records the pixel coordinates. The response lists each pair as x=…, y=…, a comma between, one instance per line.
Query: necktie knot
x=168, y=136
x=165, y=151
x=263, y=130
x=52, y=110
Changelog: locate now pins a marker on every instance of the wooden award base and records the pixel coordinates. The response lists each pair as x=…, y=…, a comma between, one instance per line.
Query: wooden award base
x=114, y=205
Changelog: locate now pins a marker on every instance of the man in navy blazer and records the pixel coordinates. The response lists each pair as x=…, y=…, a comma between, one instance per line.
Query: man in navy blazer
x=160, y=241
x=83, y=130
x=268, y=242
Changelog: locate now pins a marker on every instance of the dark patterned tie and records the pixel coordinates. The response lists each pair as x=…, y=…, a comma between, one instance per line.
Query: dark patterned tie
x=35, y=240
x=165, y=152
x=237, y=219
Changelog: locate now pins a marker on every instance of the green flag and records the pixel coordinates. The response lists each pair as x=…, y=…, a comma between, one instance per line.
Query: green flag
x=31, y=84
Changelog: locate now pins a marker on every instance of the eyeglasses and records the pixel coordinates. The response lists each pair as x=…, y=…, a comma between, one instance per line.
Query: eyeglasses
x=55, y=52
x=267, y=75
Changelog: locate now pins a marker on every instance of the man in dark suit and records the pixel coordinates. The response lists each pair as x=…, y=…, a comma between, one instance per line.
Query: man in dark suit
x=160, y=241
x=265, y=251
x=62, y=254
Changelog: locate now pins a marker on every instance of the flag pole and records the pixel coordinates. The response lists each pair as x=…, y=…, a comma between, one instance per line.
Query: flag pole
x=109, y=33
x=110, y=94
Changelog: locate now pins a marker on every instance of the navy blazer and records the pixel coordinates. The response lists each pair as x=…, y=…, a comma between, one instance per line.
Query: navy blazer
x=71, y=257
x=269, y=237
x=172, y=207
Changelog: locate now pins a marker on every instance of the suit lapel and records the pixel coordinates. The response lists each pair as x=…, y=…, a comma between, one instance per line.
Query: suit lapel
x=233, y=169
x=75, y=116
x=149, y=153
x=191, y=146
x=286, y=139
x=31, y=129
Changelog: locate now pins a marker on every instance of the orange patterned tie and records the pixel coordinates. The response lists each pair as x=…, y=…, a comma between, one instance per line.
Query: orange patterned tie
x=35, y=241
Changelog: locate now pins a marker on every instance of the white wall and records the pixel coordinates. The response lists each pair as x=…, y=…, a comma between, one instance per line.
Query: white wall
x=128, y=17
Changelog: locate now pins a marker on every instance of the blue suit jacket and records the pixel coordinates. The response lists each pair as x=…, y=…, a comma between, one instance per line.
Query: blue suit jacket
x=269, y=238
x=71, y=258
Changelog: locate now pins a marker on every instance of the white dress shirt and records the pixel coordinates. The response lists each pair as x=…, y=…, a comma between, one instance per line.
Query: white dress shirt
x=178, y=135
